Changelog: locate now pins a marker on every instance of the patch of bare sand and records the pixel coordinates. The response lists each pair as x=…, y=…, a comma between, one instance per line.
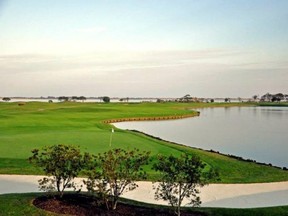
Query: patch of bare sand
x=213, y=195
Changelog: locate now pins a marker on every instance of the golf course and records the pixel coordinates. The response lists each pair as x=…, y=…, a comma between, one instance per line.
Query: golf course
x=31, y=125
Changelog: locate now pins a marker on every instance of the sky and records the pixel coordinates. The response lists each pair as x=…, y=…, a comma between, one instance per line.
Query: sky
x=143, y=48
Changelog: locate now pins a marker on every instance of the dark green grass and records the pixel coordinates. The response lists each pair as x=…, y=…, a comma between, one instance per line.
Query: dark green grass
x=35, y=125
x=275, y=104
x=21, y=205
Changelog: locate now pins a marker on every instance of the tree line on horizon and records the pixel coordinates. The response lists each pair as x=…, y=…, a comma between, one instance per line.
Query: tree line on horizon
x=268, y=97
x=272, y=97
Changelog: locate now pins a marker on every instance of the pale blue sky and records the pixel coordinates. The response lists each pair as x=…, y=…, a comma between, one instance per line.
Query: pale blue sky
x=162, y=48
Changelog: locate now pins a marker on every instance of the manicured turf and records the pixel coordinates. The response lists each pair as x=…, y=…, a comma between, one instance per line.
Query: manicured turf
x=21, y=205
x=36, y=124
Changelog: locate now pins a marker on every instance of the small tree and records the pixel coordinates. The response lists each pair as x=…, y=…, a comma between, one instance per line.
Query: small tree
x=185, y=98
x=74, y=98
x=6, y=99
x=227, y=100
x=118, y=171
x=106, y=99
x=63, y=98
x=124, y=99
x=82, y=98
x=255, y=97
x=180, y=178
x=62, y=162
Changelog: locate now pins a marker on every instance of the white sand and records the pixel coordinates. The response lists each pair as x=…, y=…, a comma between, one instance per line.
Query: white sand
x=227, y=195
x=214, y=195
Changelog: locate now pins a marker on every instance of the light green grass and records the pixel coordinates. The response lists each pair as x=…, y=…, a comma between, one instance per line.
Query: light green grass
x=34, y=125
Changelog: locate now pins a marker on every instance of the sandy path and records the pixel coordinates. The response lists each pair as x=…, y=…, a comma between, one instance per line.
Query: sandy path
x=214, y=195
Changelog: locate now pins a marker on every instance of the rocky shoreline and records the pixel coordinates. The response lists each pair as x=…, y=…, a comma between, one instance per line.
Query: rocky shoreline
x=174, y=117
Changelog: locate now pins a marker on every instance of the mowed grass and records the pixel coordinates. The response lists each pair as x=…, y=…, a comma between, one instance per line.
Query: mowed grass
x=36, y=124
x=21, y=205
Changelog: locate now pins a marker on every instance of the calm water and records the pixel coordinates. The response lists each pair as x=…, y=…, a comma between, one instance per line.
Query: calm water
x=258, y=133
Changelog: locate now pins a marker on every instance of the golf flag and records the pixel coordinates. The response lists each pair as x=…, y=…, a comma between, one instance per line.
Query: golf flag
x=112, y=130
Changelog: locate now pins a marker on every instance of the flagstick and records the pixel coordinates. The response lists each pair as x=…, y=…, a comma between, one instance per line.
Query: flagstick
x=111, y=137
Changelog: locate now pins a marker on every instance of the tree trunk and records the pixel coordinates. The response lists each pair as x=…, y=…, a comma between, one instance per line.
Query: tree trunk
x=179, y=201
x=115, y=204
x=58, y=182
x=178, y=211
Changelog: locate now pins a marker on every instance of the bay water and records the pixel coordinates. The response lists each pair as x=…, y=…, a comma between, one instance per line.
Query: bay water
x=257, y=133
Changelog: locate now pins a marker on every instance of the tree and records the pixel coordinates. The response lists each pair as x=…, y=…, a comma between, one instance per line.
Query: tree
x=106, y=99
x=267, y=97
x=278, y=97
x=186, y=98
x=74, y=98
x=82, y=98
x=227, y=100
x=180, y=178
x=118, y=171
x=63, y=98
x=6, y=99
x=62, y=162
x=124, y=99
x=255, y=97
x=212, y=100
x=273, y=97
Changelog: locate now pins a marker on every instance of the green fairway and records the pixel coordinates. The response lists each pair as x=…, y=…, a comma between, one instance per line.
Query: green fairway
x=36, y=124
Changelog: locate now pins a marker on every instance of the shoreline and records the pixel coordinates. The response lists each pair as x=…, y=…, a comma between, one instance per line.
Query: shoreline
x=159, y=118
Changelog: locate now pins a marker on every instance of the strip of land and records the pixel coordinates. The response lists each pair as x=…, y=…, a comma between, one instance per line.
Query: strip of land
x=214, y=195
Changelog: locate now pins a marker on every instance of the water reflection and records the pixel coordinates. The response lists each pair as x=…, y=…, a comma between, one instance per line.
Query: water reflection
x=258, y=133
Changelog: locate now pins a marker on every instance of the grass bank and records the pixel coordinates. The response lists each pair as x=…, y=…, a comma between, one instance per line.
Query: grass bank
x=36, y=124
x=275, y=104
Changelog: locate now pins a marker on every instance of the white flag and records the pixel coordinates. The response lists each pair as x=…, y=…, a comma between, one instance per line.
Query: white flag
x=112, y=130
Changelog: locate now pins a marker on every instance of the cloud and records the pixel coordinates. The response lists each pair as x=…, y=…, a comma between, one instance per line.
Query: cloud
x=147, y=73
x=99, y=63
